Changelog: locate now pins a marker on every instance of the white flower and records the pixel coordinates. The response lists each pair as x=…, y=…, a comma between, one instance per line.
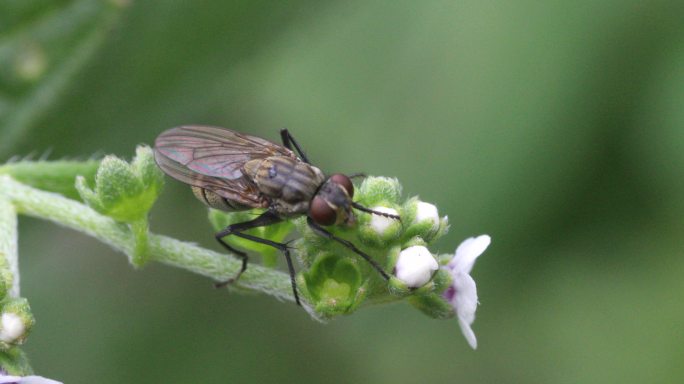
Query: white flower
x=26, y=380
x=462, y=294
x=12, y=327
x=381, y=223
x=427, y=211
x=415, y=266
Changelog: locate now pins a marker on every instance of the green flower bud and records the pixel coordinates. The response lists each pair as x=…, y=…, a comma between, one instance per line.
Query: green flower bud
x=126, y=192
x=16, y=321
x=382, y=191
x=333, y=284
x=122, y=191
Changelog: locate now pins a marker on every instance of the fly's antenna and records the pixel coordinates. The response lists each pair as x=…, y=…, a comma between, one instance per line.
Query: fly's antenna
x=368, y=210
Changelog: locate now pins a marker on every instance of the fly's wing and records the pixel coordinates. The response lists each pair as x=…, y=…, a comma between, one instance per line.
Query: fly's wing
x=212, y=158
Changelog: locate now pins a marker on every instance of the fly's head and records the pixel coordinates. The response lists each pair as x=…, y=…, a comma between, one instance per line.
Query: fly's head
x=332, y=204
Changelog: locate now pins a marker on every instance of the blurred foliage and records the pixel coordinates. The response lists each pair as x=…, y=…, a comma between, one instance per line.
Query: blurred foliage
x=555, y=127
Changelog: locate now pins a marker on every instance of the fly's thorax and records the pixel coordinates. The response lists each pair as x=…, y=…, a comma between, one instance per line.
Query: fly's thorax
x=213, y=200
x=288, y=182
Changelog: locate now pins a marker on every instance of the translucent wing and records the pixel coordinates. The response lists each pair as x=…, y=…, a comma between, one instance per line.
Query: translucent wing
x=212, y=158
x=214, y=151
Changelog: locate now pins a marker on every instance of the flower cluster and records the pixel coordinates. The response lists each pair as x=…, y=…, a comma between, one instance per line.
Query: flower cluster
x=337, y=281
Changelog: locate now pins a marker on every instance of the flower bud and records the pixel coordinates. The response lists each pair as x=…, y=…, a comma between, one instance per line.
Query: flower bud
x=427, y=212
x=424, y=221
x=380, y=224
x=16, y=321
x=415, y=266
x=379, y=190
x=122, y=191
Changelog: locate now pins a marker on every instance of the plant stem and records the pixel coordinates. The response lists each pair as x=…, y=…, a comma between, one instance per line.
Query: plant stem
x=8, y=246
x=72, y=214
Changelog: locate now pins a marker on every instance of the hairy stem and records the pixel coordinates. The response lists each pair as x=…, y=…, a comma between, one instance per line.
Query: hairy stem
x=72, y=214
x=9, y=262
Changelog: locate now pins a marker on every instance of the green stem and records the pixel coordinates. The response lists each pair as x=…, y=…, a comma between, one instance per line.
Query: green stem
x=140, y=230
x=72, y=214
x=9, y=262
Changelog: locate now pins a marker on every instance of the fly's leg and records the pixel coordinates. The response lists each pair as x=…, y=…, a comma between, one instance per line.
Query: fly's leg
x=267, y=218
x=289, y=142
x=323, y=232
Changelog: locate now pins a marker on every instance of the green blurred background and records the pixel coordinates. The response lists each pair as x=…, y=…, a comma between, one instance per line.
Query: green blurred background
x=555, y=127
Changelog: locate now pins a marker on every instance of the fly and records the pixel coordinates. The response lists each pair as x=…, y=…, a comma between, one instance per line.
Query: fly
x=232, y=171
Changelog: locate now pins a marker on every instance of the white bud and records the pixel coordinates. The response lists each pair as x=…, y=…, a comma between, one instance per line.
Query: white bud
x=415, y=266
x=381, y=223
x=12, y=327
x=427, y=211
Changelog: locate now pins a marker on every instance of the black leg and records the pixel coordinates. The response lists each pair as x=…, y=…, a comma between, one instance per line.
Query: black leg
x=289, y=141
x=368, y=210
x=267, y=218
x=323, y=232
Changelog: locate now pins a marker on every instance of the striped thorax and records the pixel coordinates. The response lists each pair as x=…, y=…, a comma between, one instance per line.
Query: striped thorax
x=287, y=182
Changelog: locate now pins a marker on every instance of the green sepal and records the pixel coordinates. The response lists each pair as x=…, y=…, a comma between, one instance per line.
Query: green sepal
x=15, y=363
x=334, y=285
x=275, y=232
x=20, y=307
x=414, y=241
x=433, y=305
x=378, y=190
x=6, y=278
x=145, y=168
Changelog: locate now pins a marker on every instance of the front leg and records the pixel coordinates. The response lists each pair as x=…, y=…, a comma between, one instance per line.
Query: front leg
x=323, y=232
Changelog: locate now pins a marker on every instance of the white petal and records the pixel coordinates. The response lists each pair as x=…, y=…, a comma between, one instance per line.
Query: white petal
x=427, y=211
x=468, y=251
x=415, y=266
x=465, y=299
x=381, y=223
x=9, y=379
x=465, y=304
x=37, y=380
x=12, y=327
x=468, y=333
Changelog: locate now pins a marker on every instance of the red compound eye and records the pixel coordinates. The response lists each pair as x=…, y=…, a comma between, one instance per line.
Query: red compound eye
x=344, y=181
x=321, y=213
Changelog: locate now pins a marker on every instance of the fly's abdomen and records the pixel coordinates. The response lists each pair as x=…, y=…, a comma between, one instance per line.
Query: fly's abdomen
x=289, y=183
x=213, y=200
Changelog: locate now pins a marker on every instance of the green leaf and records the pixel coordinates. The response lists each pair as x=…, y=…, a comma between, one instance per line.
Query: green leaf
x=43, y=44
